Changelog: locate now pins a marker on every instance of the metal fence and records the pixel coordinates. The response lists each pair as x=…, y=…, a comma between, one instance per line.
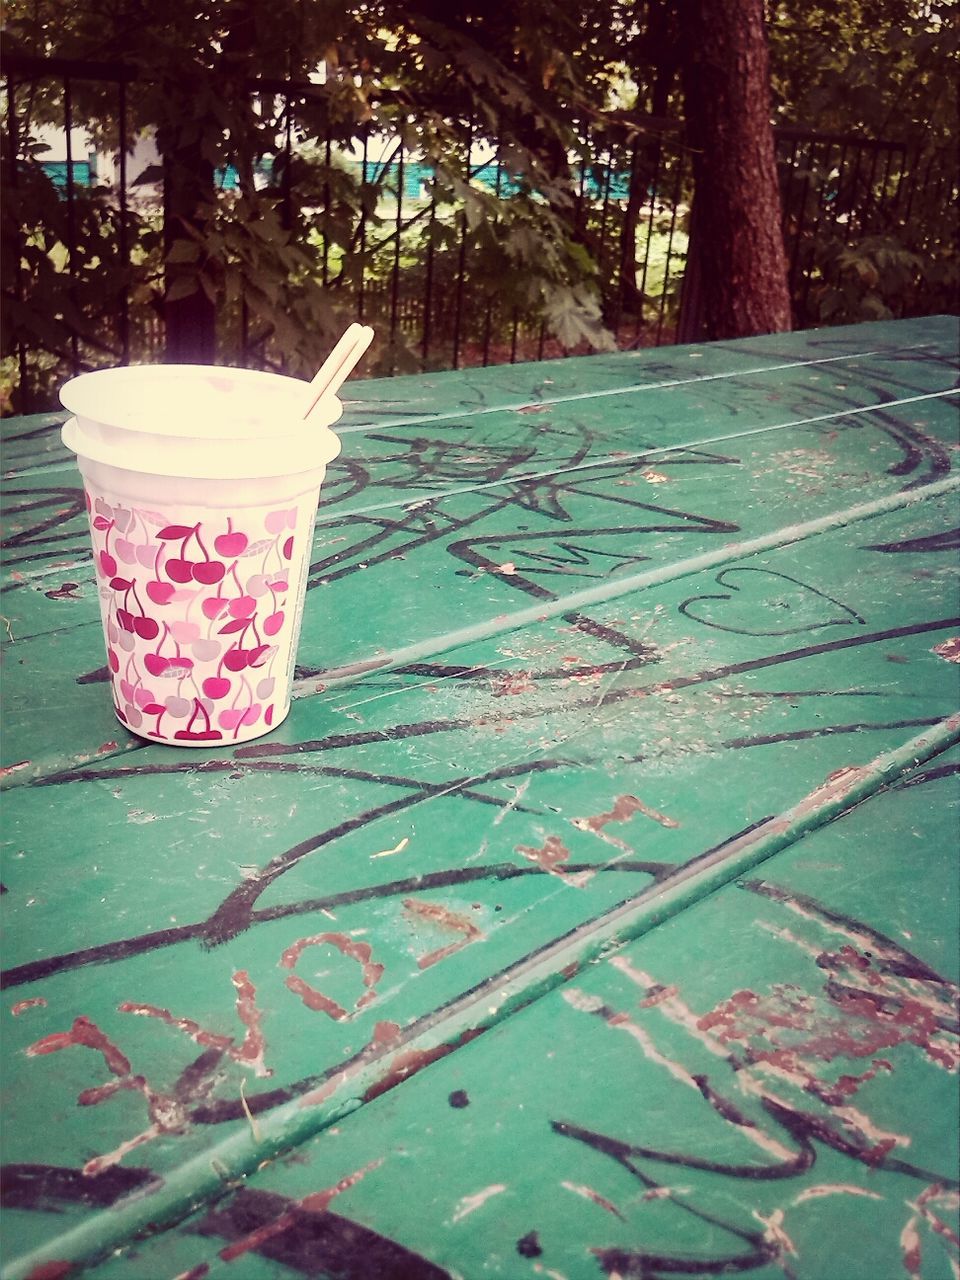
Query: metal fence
x=391, y=239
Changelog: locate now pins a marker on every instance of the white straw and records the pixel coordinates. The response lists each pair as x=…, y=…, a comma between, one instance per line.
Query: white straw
x=338, y=365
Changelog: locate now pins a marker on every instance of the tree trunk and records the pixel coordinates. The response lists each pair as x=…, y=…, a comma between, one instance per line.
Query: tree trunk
x=189, y=314
x=741, y=264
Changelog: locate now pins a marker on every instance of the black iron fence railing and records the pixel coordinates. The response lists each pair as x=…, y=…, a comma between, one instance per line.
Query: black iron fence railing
x=100, y=268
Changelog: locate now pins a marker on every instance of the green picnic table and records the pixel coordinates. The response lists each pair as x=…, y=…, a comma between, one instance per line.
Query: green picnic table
x=594, y=912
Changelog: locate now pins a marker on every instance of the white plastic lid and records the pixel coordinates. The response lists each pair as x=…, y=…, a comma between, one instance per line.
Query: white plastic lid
x=198, y=420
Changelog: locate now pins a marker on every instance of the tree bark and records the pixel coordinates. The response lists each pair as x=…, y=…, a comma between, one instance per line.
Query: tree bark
x=189, y=317
x=738, y=243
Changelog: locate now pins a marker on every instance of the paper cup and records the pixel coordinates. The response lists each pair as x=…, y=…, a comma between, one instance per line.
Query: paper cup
x=201, y=487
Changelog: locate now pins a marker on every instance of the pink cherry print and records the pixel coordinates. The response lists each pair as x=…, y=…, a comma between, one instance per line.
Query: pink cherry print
x=268, y=716
x=230, y=718
x=113, y=661
x=179, y=667
x=216, y=686
x=206, y=650
x=235, y=659
x=126, y=641
x=123, y=518
x=155, y=663
x=113, y=633
x=213, y=606
x=103, y=508
x=276, y=521
x=160, y=592
x=257, y=585
x=178, y=708
x=265, y=687
x=108, y=564
x=143, y=697
x=127, y=691
x=146, y=628
x=179, y=570
x=185, y=632
x=256, y=655
x=230, y=543
x=273, y=623
x=251, y=715
x=208, y=572
x=87, y=500
x=147, y=555
x=243, y=606
x=134, y=716
x=288, y=548
x=125, y=550
x=197, y=735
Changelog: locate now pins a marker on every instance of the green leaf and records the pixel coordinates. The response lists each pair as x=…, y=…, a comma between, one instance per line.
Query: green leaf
x=183, y=252
x=180, y=288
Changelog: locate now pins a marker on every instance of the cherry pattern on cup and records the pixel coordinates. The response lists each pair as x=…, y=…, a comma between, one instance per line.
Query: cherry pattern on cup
x=193, y=637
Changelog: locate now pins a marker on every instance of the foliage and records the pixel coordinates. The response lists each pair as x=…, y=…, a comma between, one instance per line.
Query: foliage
x=884, y=69
x=391, y=69
x=554, y=85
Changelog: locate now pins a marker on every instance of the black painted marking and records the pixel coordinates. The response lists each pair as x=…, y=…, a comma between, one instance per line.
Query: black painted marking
x=776, y=589
x=339, y=741
x=801, y=1126
x=459, y=1099
x=100, y=676
x=587, y=552
x=68, y=504
x=600, y=631
x=907, y=965
x=528, y=1246
x=47, y=1188
x=823, y=731
x=123, y=772
x=34, y=433
x=317, y=1244
x=141, y=944
x=928, y=775
x=421, y=525
x=641, y=1265
x=946, y=541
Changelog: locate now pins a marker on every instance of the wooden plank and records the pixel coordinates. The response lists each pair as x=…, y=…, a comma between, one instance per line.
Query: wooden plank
x=210, y=958
x=488, y=551
x=763, y=1084
x=457, y=821
x=550, y=381
x=34, y=442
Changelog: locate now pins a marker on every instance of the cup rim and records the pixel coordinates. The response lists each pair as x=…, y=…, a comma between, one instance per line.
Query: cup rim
x=76, y=395
x=243, y=460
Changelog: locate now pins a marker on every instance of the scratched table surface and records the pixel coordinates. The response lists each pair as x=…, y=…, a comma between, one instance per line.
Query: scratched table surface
x=593, y=914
